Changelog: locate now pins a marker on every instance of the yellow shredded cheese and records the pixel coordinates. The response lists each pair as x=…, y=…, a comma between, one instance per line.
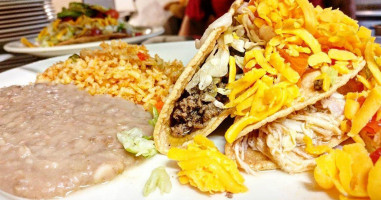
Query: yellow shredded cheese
x=315, y=150
x=370, y=106
x=319, y=58
x=232, y=69
x=207, y=169
x=350, y=171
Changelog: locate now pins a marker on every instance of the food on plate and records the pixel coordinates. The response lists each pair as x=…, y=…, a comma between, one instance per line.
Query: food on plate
x=81, y=23
x=292, y=143
x=56, y=139
x=283, y=143
x=118, y=69
x=159, y=178
x=259, y=62
x=350, y=171
x=135, y=142
x=375, y=155
x=203, y=166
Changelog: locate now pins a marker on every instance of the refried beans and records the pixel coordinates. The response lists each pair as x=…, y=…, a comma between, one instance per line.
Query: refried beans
x=55, y=139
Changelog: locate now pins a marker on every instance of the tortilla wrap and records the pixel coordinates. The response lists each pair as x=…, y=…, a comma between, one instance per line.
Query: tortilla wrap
x=163, y=139
x=84, y=39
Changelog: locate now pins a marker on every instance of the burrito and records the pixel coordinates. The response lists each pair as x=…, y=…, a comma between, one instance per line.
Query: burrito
x=261, y=61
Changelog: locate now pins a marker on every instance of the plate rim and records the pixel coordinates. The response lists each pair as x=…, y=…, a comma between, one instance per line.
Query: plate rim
x=9, y=48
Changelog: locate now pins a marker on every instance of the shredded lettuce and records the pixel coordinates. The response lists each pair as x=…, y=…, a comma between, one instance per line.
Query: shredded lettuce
x=159, y=178
x=134, y=142
x=238, y=45
x=223, y=91
x=332, y=73
x=155, y=116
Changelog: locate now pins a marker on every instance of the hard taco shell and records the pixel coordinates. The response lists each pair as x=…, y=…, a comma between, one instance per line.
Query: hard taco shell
x=163, y=139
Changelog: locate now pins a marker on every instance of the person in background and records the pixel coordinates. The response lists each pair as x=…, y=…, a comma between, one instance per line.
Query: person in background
x=150, y=13
x=200, y=13
x=177, y=9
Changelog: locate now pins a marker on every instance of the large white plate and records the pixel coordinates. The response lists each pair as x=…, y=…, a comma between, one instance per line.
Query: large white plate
x=17, y=47
x=264, y=185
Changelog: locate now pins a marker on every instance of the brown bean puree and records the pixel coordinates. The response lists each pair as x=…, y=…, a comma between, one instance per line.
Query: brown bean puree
x=55, y=139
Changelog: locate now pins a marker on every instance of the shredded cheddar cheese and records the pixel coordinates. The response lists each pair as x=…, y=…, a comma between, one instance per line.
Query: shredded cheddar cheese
x=293, y=37
x=350, y=171
x=207, y=169
x=369, y=108
x=315, y=150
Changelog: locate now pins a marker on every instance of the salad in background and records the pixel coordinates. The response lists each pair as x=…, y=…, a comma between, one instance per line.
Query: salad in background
x=80, y=23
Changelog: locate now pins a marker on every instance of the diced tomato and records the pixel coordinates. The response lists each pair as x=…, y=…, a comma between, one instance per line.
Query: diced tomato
x=299, y=64
x=373, y=126
x=100, y=15
x=361, y=100
x=375, y=155
x=66, y=19
x=142, y=56
x=159, y=105
x=351, y=86
x=112, y=13
x=95, y=31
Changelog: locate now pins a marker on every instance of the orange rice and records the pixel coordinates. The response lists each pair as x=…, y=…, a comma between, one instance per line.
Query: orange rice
x=118, y=69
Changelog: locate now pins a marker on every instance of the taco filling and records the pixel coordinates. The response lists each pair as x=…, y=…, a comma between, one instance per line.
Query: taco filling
x=294, y=142
x=272, y=57
x=80, y=23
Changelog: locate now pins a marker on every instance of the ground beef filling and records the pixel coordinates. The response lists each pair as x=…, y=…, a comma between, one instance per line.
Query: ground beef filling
x=193, y=112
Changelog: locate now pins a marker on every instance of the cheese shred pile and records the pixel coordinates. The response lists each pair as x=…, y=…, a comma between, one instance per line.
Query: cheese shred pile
x=292, y=38
x=350, y=171
x=207, y=169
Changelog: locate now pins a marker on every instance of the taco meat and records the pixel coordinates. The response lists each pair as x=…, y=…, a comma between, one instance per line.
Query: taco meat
x=194, y=110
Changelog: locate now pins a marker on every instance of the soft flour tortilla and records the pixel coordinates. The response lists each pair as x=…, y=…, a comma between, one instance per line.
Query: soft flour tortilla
x=85, y=39
x=163, y=139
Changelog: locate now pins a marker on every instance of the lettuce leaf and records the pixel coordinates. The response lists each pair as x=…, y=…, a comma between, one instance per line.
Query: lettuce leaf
x=134, y=142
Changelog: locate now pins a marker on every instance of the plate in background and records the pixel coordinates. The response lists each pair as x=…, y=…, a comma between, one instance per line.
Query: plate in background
x=18, y=47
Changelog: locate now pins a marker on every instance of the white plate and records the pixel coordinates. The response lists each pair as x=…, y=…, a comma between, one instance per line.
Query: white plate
x=264, y=185
x=17, y=47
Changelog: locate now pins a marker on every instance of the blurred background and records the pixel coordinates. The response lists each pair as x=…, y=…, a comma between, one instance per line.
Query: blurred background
x=180, y=19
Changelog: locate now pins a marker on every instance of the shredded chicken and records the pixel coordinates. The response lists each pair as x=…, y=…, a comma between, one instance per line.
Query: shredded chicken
x=239, y=151
x=282, y=140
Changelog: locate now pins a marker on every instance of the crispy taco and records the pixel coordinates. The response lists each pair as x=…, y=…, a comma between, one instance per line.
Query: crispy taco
x=81, y=23
x=259, y=62
x=292, y=143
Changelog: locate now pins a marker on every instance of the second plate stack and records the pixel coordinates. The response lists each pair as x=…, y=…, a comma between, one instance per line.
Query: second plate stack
x=23, y=18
